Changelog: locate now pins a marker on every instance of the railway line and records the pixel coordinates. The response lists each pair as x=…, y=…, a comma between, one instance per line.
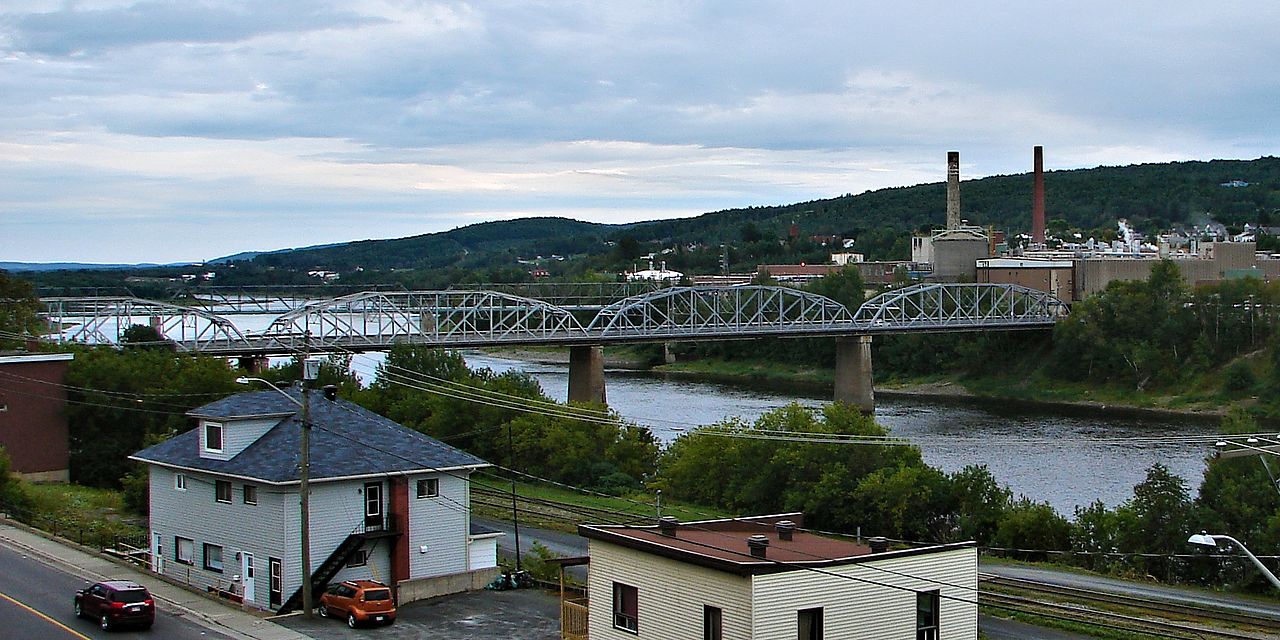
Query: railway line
x=1121, y=612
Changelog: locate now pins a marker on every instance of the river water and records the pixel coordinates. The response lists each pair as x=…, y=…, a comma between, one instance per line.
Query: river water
x=1047, y=456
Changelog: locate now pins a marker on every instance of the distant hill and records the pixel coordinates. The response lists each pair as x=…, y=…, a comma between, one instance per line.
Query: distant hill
x=81, y=266
x=472, y=245
x=1151, y=196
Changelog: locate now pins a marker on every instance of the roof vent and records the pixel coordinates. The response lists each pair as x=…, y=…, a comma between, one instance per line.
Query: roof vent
x=667, y=525
x=759, y=545
x=785, y=528
x=331, y=392
x=878, y=544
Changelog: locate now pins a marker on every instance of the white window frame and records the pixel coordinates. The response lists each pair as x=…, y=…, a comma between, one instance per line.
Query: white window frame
x=231, y=491
x=222, y=437
x=180, y=482
x=178, y=546
x=208, y=564
x=428, y=488
x=248, y=489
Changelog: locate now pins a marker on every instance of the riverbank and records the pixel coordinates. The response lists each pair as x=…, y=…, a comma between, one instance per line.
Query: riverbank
x=1199, y=405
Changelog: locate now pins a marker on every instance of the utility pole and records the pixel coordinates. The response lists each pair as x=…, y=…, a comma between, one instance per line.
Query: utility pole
x=515, y=514
x=304, y=476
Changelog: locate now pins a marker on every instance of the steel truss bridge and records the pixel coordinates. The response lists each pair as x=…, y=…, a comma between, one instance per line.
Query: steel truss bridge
x=376, y=320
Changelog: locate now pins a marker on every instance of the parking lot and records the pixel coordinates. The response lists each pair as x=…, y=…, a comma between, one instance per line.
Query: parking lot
x=525, y=614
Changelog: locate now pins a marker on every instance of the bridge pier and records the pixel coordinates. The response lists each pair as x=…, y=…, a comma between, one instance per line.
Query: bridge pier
x=586, y=374
x=253, y=364
x=853, y=373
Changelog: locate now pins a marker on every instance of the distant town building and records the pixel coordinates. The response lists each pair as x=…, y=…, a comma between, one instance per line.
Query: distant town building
x=660, y=275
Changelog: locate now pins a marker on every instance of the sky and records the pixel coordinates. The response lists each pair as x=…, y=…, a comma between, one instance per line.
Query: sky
x=184, y=131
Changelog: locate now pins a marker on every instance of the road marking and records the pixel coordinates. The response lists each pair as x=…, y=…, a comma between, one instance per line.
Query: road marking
x=47, y=618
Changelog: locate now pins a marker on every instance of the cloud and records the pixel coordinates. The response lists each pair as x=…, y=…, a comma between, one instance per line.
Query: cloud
x=416, y=115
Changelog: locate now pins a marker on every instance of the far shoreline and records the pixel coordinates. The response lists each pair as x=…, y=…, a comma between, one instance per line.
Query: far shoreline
x=943, y=392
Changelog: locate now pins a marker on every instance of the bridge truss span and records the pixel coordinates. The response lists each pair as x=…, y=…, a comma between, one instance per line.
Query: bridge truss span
x=104, y=320
x=719, y=312
x=372, y=320
x=959, y=307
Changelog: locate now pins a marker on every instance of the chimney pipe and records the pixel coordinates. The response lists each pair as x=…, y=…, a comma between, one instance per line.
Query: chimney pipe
x=953, y=190
x=759, y=545
x=878, y=544
x=1037, y=207
x=785, y=528
x=667, y=525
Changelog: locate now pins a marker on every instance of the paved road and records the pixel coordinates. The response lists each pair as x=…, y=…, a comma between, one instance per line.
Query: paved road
x=36, y=602
x=525, y=614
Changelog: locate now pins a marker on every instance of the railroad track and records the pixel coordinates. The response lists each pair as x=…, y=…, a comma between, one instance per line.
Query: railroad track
x=553, y=509
x=1159, y=618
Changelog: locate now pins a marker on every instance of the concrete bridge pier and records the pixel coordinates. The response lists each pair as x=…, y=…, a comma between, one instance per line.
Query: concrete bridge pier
x=853, y=373
x=586, y=374
x=253, y=364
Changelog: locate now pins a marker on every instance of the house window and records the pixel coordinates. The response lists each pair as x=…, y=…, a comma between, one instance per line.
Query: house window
x=626, y=608
x=183, y=550
x=711, y=623
x=213, y=557
x=250, y=494
x=222, y=490
x=213, y=437
x=180, y=481
x=809, y=624
x=428, y=487
x=359, y=559
x=927, y=615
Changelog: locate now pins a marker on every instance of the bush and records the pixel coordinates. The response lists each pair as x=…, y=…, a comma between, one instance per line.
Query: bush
x=1238, y=379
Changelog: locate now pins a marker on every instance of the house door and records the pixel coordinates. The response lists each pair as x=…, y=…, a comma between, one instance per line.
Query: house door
x=246, y=573
x=275, y=576
x=157, y=553
x=373, y=505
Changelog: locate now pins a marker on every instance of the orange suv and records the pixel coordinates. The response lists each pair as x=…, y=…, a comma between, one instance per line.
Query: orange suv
x=361, y=601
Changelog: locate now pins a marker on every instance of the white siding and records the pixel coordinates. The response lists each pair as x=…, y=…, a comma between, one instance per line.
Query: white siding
x=856, y=608
x=237, y=435
x=263, y=529
x=670, y=595
x=482, y=553
x=378, y=568
x=440, y=524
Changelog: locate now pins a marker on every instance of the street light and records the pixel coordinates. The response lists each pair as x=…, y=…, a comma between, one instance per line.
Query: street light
x=304, y=487
x=1205, y=539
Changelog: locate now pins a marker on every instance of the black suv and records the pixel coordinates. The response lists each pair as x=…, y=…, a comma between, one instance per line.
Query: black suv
x=116, y=602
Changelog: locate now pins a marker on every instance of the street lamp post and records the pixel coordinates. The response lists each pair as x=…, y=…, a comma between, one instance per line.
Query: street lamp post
x=1205, y=539
x=304, y=485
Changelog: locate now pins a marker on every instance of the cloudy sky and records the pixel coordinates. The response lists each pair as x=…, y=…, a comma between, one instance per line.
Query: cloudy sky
x=169, y=131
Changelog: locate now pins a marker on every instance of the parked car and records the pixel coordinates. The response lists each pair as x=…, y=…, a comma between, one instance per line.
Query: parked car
x=360, y=601
x=115, y=603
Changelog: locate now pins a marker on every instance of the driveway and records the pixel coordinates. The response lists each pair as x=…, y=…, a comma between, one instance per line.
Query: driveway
x=525, y=614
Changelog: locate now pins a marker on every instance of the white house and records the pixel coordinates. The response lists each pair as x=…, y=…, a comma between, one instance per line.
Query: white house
x=386, y=503
x=765, y=577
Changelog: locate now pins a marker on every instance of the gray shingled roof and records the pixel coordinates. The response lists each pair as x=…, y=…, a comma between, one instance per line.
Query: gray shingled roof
x=346, y=440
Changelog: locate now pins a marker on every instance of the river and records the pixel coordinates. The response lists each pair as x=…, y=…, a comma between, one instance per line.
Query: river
x=1047, y=456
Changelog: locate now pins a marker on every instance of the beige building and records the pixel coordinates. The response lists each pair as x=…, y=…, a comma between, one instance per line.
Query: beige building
x=765, y=577
x=1053, y=276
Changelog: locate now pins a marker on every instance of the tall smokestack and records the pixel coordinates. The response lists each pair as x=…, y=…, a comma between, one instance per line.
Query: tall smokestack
x=953, y=189
x=1037, y=206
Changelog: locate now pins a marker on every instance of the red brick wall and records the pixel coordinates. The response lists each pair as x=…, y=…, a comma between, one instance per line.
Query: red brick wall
x=33, y=423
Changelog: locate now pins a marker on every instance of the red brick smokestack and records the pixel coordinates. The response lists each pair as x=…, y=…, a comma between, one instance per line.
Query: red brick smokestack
x=1037, y=207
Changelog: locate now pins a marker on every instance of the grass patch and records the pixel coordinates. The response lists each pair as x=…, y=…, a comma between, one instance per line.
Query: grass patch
x=561, y=509
x=88, y=515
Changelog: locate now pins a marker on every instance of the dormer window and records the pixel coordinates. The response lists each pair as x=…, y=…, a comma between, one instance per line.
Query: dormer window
x=213, y=437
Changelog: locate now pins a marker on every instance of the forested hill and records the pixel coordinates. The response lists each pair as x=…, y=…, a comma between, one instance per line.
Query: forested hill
x=1151, y=196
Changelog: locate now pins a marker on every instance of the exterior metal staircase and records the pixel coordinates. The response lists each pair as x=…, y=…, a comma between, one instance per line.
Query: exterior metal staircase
x=322, y=574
